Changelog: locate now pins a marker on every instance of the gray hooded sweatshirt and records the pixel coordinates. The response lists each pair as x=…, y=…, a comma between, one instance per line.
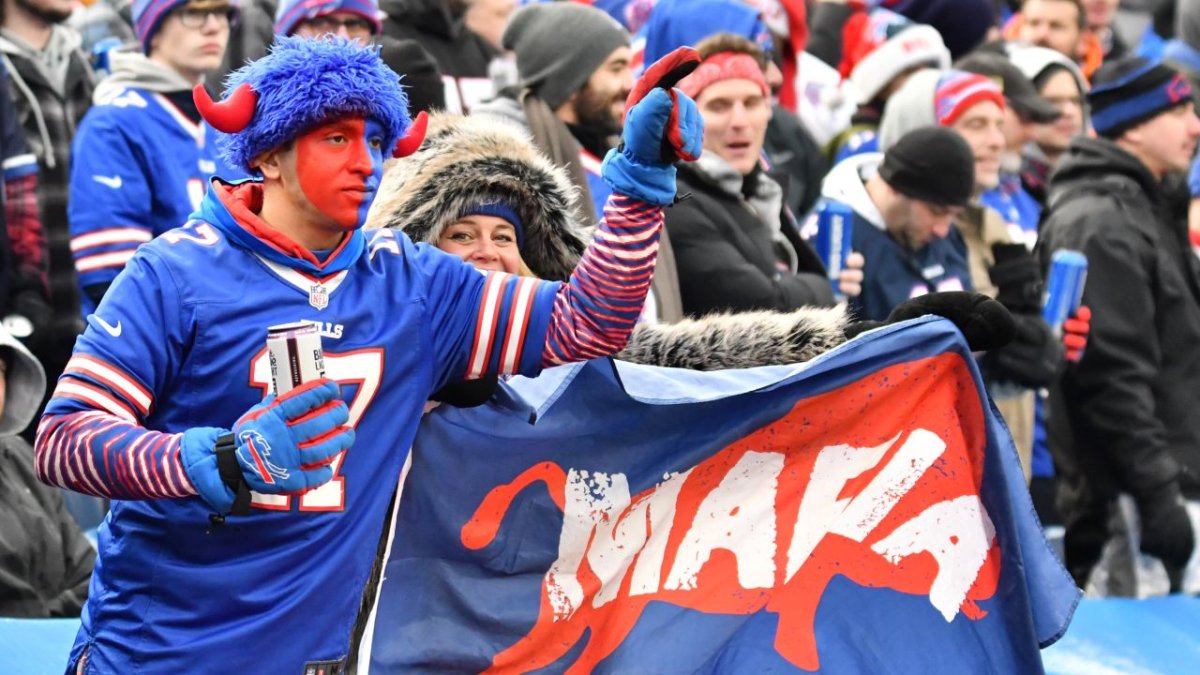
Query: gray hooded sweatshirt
x=911, y=107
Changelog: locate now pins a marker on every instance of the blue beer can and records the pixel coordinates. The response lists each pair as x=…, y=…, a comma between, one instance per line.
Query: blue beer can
x=835, y=225
x=1064, y=287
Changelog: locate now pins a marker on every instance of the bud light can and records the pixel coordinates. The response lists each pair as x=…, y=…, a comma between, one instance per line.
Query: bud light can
x=1064, y=287
x=294, y=350
x=835, y=224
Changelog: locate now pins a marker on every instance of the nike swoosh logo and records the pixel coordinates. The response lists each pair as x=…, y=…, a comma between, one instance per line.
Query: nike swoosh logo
x=113, y=182
x=112, y=330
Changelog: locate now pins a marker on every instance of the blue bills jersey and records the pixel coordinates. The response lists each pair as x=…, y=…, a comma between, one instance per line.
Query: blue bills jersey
x=139, y=167
x=179, y=342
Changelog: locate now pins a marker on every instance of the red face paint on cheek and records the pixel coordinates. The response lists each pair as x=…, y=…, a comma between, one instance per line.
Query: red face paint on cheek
x=333, y=167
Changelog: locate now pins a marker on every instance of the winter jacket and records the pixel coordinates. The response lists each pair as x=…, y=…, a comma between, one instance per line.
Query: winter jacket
x=797, y=160
x=461, y=54
x=891, y=272
x=981, y=228
x=1124, y=417
x=50, y=106
x=736, y=246
x=45, y=561
x=464, y=160
x=24, y=295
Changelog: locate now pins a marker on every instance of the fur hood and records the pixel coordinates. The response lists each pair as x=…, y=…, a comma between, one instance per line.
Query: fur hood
x=466, y=161
x=741, y=340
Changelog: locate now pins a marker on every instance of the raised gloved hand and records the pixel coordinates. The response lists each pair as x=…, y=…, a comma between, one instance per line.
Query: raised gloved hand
x=1075, y=333
x=985, y=323
x=662, y=126
x=1166, y=529
x=283, y=445
x=1035, y=356
x=1018, y=278
x=1032, y=360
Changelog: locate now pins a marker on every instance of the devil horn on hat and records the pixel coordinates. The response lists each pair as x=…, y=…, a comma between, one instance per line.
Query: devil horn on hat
x=231, y=115
x=413, y=139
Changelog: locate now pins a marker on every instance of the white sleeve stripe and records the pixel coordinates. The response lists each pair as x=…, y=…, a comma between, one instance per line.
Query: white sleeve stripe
x=493, y=293
x=628, y=236
x=92, y=473
x=116, y=235
x=76, y=471
x=144, y=470
x=19, y=160
x=131, y=456
x=518, y=321
x=118, y=381
x=87, y=394
x=590, y=163
x=640, y=254
x=102, y=260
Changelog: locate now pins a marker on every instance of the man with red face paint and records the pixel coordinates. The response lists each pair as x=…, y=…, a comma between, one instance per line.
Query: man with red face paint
x=241, y=515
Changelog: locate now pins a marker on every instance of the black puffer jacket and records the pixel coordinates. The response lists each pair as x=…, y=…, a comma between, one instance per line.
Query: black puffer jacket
x=1125, y=417
x=728, y=257
x=459, y=52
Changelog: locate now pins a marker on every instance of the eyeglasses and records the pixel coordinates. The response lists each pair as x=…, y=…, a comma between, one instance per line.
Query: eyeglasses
x=197, y=18
x=328, y=24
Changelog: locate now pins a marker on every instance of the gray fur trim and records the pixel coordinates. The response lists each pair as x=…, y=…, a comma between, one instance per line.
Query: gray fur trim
x=466, y=161
x=743, y=340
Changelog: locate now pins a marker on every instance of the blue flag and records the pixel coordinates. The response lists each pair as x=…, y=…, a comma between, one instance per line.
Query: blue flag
x=863, y=512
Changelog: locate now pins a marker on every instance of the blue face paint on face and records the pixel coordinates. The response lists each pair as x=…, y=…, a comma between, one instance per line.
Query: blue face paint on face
x=374, y=135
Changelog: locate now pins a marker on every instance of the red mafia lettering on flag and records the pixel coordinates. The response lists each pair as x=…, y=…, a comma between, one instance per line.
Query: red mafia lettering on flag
x=878, y=481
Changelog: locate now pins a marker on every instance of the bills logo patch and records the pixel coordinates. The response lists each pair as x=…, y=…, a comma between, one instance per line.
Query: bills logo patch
x=254, y=452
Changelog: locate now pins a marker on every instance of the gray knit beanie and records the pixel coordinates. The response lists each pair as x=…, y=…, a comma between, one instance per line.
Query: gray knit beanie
x=559, y=45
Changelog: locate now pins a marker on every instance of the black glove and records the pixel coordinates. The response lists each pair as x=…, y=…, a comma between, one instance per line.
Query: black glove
x=1033, y=359
x=985, y=323
x=1018, y=278
x=1167, y=530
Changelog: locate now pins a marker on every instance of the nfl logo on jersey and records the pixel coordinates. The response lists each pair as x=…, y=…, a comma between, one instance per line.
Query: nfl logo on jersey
x=318, y=296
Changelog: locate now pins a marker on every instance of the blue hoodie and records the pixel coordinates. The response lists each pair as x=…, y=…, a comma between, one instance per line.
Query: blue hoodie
x=678, y=23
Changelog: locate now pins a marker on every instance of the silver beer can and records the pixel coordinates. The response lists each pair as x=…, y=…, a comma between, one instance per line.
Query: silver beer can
x=294, y=350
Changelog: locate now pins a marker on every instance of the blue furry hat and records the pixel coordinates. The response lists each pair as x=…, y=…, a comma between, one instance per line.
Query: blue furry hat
x=303, y=83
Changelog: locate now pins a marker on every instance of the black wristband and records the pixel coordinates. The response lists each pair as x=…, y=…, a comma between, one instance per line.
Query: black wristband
x=231, y=474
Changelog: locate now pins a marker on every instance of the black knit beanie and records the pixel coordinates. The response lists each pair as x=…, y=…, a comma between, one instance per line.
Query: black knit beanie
x=1130, y=91
x=420, y=76
x=932, y=164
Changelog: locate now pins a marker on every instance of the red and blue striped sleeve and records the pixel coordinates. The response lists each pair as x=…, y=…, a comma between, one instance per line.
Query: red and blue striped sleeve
x=496, y=323
x=99, y=453
x=92, y=438
x=595, y=312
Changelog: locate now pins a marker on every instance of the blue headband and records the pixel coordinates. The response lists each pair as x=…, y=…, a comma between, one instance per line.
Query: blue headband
x=502, y=210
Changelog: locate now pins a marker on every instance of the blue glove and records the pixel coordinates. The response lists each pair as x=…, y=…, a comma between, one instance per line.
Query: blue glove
x=637, y=168
x=284, y=444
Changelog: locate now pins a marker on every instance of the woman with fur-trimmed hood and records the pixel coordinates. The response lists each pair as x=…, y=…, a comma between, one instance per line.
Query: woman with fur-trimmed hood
x=478, y=188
